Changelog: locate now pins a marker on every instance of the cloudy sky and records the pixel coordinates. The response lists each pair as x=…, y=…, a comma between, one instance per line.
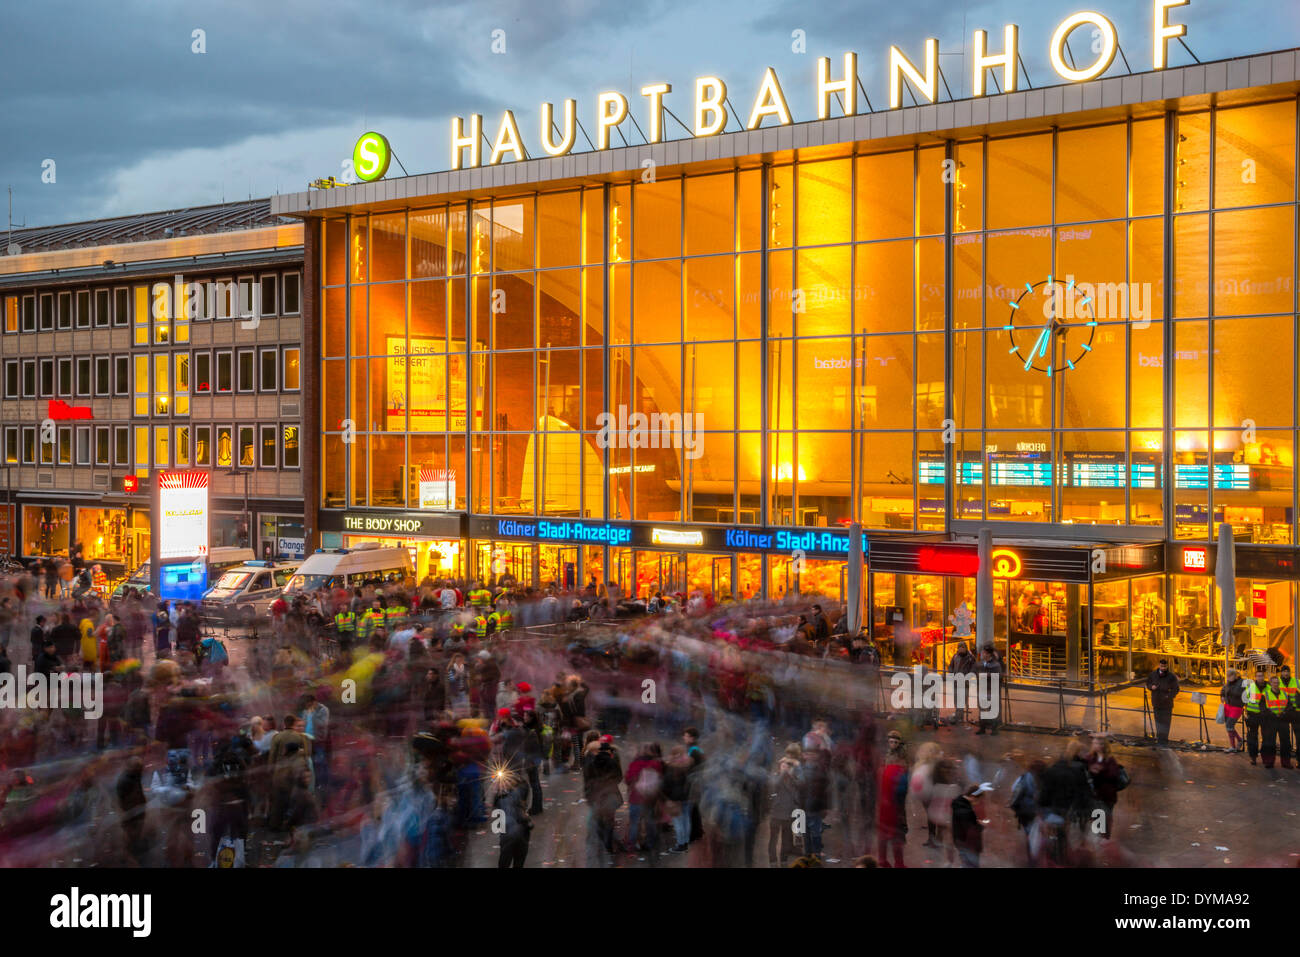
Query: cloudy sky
x=135, y=120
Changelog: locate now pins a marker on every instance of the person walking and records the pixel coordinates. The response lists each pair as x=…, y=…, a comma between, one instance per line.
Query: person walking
x=967, y=830
x=1163, y=687
x=1108, y=778
x=891, y=803
x=1231, y=693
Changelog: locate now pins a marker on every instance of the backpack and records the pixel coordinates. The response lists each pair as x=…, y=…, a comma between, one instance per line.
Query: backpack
x=213, y=650
x=1024, y=796
x=1122, y=780
x=648, y=783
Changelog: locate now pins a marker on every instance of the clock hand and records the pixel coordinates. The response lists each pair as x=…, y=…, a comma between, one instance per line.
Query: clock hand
x=1039, y=346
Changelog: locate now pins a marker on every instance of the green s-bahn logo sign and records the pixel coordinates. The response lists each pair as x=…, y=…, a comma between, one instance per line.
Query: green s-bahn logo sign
x=371, y=156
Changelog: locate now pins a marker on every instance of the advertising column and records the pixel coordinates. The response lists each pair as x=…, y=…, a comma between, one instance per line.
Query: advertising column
x=178, y=550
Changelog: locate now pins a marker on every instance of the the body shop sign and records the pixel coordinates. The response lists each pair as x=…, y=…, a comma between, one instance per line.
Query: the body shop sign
x=183, y=509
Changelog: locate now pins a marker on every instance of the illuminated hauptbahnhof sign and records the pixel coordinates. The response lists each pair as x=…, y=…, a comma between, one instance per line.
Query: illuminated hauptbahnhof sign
x=710, y=95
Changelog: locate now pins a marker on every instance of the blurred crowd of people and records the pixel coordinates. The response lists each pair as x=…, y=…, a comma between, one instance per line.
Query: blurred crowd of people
x=389, y=723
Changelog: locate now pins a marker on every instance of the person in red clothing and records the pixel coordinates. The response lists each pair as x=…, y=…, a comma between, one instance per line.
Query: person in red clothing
x=645, y=777
x=891, y=803
x=525, y=701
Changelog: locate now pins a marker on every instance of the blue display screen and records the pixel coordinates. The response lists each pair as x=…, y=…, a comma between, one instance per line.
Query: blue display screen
x=1021, y=472
x=183, y=582
x=1227, y=475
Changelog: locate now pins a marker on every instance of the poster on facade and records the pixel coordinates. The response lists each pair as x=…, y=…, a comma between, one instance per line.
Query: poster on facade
x=437, y=488
x=437, y=383
x=183, y=513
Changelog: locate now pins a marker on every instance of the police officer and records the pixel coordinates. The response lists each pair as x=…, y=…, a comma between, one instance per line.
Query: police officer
x=372, y=619
x=1292, y=688
x=345, y=626
x=480, y=597
x=501, y=619
x=1276, y=713
x=1251, y=697
x=395, y=614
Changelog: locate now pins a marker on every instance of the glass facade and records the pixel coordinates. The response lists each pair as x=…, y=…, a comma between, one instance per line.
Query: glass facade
x=1067, y=326
x=828, y=324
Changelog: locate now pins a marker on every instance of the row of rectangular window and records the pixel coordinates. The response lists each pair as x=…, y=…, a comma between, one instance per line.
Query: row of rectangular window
x=261, y=446
x=216, y=299
x=272, y=369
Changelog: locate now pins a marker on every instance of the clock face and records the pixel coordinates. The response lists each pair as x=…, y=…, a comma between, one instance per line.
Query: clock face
x=1051, y=325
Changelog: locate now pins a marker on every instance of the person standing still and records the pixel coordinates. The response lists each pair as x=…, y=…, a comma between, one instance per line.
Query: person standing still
x=1251, y=695
x=991, y=665
x=1163, y=685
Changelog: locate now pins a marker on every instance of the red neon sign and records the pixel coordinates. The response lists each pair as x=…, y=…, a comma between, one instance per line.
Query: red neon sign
x=60, y=411
x=1194, y=559
x=130, y=483
x=947, y=563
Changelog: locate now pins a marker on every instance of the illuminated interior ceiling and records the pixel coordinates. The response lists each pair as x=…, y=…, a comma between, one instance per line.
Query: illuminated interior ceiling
x=572, y=466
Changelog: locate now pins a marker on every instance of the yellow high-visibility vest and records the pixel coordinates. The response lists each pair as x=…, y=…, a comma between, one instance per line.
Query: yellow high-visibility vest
x=1275, y=701
x=1291, y=687
x=345, y=621
x=1250, y=697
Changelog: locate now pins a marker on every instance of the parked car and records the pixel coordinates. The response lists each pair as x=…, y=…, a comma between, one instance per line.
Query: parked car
x=244, y=594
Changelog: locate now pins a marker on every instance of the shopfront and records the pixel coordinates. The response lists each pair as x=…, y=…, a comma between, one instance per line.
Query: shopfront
x=280, y=536
x=46, y=530
x=643, y=559
x=436, y=542
x=1060, y=613
x=115, y=536
x=1265, y=591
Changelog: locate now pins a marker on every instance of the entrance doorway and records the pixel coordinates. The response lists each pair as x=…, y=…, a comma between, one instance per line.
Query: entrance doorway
x=559, y=566
x=495, y=561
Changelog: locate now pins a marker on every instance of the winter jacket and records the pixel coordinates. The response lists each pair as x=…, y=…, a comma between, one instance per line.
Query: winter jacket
x=786, y=785
x=967, y=831
x=1232, y=692
x=1163, y=688
x=645, y=778
x=963, y=663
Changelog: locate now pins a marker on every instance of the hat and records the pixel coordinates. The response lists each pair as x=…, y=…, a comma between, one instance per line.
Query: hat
x=502, y=712
x=524, y=687
x=606, y=739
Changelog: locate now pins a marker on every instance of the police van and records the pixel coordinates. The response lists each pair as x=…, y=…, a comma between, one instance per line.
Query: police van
x=350, y=568
x=245, y=592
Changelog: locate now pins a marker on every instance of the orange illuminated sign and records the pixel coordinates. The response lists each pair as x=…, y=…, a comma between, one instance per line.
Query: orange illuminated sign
x=1006, y=563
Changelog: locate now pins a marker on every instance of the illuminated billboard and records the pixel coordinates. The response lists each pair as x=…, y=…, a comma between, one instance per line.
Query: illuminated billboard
x=183, y=513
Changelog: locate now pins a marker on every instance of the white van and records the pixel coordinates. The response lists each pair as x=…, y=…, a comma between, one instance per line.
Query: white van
x=245, y=592
x=350, y=568
x=219, y=559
